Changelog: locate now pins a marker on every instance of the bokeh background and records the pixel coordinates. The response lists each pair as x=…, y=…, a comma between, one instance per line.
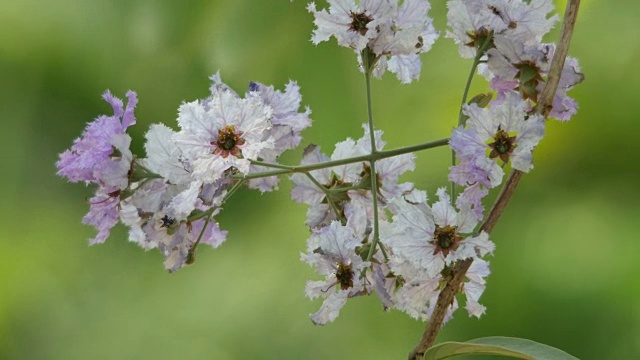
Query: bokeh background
x=565, y=272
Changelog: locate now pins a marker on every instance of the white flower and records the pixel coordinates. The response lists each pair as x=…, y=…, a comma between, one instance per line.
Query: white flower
x=388, y=169
x=164, y=156
x=408, y=31
x=353, y=25
x=322, y=210
x=473, y=22
x=419, y=294
x=225, y=133
x=527, y=22
x=474, y=287
x=288, y=122
x=505, y=132
x=394, y=34
x=331, y=251
x=429, y=238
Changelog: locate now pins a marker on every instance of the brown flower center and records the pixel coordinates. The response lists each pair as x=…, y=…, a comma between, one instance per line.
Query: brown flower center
x=502, y=145
x=228, y=142
x=344, y=275
x=445, y=239
x=359, y=22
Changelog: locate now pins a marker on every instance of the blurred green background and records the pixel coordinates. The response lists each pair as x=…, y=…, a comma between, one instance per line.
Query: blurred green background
x=566, y=267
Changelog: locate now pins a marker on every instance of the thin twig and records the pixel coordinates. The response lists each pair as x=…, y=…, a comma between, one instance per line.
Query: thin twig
x=455, y=280
x=363, y=158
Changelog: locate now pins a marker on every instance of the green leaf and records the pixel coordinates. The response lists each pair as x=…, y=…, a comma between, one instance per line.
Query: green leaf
x=498, y=345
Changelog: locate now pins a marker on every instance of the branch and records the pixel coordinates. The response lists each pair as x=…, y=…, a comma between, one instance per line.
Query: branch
x=455, y=280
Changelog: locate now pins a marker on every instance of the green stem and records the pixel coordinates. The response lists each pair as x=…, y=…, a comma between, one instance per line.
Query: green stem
x=192, y=250
x=372, y=137
x=372, y=163
x=191, y=255
x=327, y=164
x=327, y=195
x=275, y=166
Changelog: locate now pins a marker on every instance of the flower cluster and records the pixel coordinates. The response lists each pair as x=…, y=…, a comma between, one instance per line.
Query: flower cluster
x=384, y=34
x=507, y=35
x=370, y=233
x=169, y=199
x=421, y=242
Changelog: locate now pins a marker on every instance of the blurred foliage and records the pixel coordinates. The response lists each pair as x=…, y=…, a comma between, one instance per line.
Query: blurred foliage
x=564, y=273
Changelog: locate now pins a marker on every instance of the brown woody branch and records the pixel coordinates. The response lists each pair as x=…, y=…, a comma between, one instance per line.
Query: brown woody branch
x=457, y=276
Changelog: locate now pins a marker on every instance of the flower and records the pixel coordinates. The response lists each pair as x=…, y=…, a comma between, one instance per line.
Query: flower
x=287, y=124
x=331, y=250
x=388, y=169
x=222, y=133
x=526, y=22
x=504, y=131
x=100, y=142
x=102, y=156
x=564, y=107
x=473, y=23
x=164, y=157
x=431, y=238
x=515, y=66
x=475, y=285
x=415, y=292
x=158, y=215
x=385, y=35
x=353, y=25
x=344, y=185
x=327, y=204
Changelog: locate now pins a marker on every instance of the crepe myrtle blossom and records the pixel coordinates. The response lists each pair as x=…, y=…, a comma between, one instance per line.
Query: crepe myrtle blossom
x=351, y=182
x=524, y=68
x=102, y=156
x=433, y=237
x=100, y=142
x=225, y=132
x=474, y=286
x=287, y=123
x=414, y=292
x=409, y=289
x=387, y=35
x=159, y=209
x=564, y=107
x=331, y=250
x=419, y=295
x=504, y=131
x=408, y=34
x=175, y=238
x=164, y=157
x=158, y=215
x=472, y=23
x=389, y=169
x=337, y=181
x=353, y=25
x=526, y=21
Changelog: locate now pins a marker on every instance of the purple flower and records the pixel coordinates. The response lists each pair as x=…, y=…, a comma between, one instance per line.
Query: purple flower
x=91, y=152
x=102, y=156
x=331, y=251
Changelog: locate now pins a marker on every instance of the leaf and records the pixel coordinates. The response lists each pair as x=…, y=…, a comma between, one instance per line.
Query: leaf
x=498, y=345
